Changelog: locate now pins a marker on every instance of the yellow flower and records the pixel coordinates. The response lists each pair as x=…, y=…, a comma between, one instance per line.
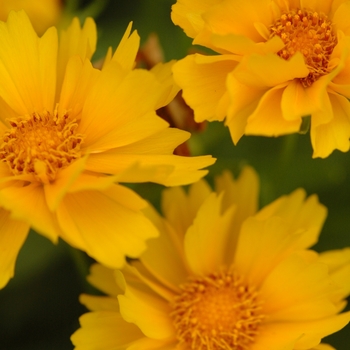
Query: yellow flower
x=222, y=275
x=281, y=62
x=65, y=126
x=43, y=14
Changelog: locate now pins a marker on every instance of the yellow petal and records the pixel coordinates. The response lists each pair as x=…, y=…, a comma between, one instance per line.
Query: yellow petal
x=180, y=208
x=55, y=191
x=28, y=84
x=148, y=311
x=164, y=256
x=75, y=41
x=105, y=224
x=340, y=18
x=127, y=49
x=79, y=78
x=238, y=17
x=301, y=214
x=104, y=330
x=270, y=70
x=12, y=236
x=206, y=241
x=103, y=278
x=243, y=194
x=120, y=110
x=163, y=73
x=262, y=245
x=336, y=133
x=296, y=102
x=268, y=120
x=338, y=262
x=303, y=335
x=298, y=290
x=99, y=303
x=203, y=80
x=168, y=170
x=21, y=201
x=187, y=14
x=244, y=100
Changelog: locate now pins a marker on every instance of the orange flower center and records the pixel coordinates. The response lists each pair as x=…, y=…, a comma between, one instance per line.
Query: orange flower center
x=41, y=145
x=310, y=33
x=218, y=311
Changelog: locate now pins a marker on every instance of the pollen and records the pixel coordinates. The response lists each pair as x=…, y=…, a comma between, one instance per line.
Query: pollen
x=310, y=33
x=41, y=144
x=217, y=312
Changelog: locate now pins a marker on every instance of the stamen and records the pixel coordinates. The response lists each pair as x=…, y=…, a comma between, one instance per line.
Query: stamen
x=310, y=33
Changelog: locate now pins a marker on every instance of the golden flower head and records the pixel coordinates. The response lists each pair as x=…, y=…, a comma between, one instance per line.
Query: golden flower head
x=71, y=133
x=222, y=275
x=281, y=62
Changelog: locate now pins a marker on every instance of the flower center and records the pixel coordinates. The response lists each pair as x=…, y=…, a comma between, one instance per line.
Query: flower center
x=218, y=311
x=310, y=33
x=41, y=144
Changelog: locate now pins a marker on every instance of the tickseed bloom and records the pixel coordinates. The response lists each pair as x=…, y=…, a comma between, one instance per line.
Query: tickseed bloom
x=222, y=275
x=284, y=67
x=43, y=14
x=71, y=133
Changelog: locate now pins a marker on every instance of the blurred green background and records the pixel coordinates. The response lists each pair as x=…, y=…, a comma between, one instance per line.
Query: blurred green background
x=39, y=308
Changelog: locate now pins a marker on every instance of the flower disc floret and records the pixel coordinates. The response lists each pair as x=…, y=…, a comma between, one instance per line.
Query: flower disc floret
x=310, y=33
x=41, y=144
x=217, y=311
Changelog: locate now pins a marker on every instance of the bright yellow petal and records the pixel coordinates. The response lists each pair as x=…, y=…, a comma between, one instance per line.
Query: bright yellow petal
x=262, y=245
x=270, y=70
x=206, y=241
x=163, y=73
x=244, y=100
x=335, y=134
x=180, y=208
x=75, y=41
x=338, y=262
x=155, y=344
x=239, y=17
x=103, y=278
x=241, y=193
x=296, y=102
x=203, y=80
x=99, y=303
x=12, y=236
x=105, y=224
x=164, y=256
x=340, y=18
x=187, y=14
x=79, y=78
x=55, y=191
x=306, y=335
x=127, y=49
x=168, y=170
x=21, y=201
x=28, y=66
x=301, y=214
x=298, y=290
x=120, y=110
x=104, y=330
x=268, y=120
x=148, y=311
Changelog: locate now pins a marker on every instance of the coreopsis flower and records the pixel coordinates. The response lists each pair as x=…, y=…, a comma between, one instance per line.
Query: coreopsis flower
x=71, y=133
x=43, y=14
x=222, y=275
x=284, y=67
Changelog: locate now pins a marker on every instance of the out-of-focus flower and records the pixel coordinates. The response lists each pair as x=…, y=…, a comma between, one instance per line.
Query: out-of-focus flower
x=222, y=275
x=43, y=14
x=66, y=126
x=281, y=62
